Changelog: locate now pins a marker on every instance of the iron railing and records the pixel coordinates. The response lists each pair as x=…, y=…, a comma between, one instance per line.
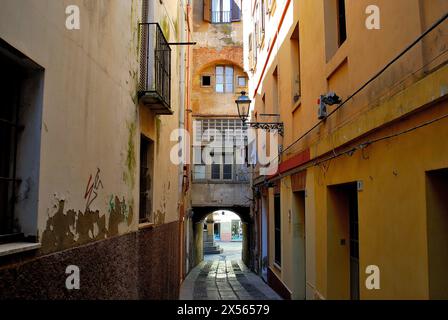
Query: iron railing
x=221, y=16
x=155, y=66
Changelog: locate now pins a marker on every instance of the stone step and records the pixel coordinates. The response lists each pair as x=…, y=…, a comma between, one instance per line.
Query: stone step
x=213, y=250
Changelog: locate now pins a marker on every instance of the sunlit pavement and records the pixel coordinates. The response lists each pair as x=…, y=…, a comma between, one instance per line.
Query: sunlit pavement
x=231, y=251
x=225, y=277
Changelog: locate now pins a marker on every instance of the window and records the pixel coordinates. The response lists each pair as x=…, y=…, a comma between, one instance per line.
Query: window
x=277, y=231
x=227, y=172
x=224, y=79
x=223, y=168
x=242, y=81
x=204, y=128
x=234, y=147
x=260, y=22
x=216, y=171
x=206, y=81
x=295, y=64
x=335, y=26
x=9, y=130
x=199, y=166
x=21, y=89
x=146, y=175
x=222, y=11
x=275, y=95
x=342, y=27
x=251, y=52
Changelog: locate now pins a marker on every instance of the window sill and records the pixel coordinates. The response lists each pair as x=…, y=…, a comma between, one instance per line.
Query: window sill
x=220, y=182
x=297, y=105
x=339, y=58
x=17, y=247
x=277, y=267
x=146, y=225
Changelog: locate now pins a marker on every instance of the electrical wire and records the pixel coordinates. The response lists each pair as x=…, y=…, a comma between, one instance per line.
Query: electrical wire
x=363, y=146
x=409, y=47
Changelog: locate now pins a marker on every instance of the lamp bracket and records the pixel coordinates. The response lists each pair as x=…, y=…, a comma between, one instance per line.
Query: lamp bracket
x=268, y=126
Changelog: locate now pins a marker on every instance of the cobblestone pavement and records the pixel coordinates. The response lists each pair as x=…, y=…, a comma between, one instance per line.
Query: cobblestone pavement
x=225, y=280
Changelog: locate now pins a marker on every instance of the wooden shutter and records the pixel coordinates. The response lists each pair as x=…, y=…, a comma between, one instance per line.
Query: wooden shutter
x=251, y=54
x=207, y=11
x=236, y=10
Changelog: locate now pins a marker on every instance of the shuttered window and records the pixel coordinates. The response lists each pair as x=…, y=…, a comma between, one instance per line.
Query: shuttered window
x=222, y=11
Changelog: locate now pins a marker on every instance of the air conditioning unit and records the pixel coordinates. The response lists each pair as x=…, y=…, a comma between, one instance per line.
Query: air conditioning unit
x=329, y=99
x=322, y=112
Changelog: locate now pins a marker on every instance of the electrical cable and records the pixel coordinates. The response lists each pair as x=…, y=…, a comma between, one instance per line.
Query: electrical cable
x=409, y=47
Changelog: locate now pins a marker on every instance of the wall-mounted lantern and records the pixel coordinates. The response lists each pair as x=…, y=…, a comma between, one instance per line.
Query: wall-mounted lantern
x=243, y=104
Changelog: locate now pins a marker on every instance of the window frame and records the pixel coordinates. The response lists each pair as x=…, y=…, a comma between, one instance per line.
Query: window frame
x=238, y=81
x=220, y=12
x=224, y=76
x=202, y=81
x=147, y=165
x=10, y=180
x=342, y=22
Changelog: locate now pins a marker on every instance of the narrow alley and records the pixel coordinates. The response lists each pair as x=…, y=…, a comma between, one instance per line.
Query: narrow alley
x=223, y=150
x=225, y=277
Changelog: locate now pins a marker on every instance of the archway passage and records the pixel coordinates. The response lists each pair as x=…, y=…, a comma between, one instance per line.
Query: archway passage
x=223, y=236
x=227, y=278
x=198, y=233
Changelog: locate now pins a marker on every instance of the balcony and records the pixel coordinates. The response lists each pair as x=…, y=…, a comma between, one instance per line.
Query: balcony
x=155, y=70
x=221, y=17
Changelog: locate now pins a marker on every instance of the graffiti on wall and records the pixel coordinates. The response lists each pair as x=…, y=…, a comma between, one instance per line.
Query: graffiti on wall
x=92, y=189
x=67, y=228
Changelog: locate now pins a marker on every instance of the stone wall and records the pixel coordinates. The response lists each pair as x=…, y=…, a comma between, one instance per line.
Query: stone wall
x=138, y=265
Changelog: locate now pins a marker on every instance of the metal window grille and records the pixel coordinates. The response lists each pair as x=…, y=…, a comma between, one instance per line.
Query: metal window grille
x=9, y=132
x=155, y=63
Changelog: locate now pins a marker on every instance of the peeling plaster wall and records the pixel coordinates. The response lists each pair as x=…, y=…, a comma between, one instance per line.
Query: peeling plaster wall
x=166, y=202
x=89, y=114
x=117, y=268
x=215, y=35
x=89, y=163
x=212, y=194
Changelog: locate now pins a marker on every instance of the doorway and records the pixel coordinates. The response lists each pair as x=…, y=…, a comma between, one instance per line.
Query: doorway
x=299, y=256
x=264, y=238
x=343, y=242
x=437, y=232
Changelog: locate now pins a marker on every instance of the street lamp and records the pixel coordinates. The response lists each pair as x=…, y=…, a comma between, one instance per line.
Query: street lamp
x=243, y=104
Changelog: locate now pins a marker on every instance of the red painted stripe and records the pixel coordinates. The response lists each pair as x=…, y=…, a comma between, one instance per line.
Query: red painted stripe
x=272, y=45
x=293, y=162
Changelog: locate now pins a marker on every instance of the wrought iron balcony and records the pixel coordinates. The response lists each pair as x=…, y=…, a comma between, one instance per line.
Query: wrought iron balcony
x=155, y=69
x=221, y=17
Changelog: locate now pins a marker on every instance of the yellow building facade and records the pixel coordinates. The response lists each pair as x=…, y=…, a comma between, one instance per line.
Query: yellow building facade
x=356, y=209
x=217, y=79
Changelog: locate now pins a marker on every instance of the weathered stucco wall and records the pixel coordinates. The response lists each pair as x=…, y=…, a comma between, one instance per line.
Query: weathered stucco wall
x=391, y=206
x=89, y=134
x=220, y=194
x=132, y=266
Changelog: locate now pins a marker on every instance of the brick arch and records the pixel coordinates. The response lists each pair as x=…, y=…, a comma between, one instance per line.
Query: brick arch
x=206, y=57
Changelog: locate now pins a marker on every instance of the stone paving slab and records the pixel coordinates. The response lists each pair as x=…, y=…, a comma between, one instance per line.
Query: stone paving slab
x=225, y=280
